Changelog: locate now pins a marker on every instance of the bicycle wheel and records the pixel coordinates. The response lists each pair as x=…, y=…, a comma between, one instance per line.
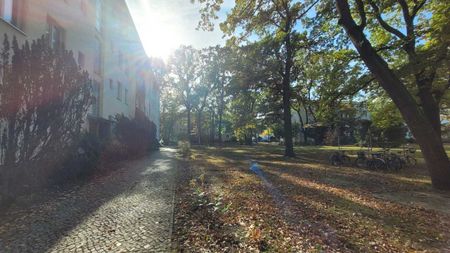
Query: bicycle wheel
x=360, y=162
x=394, y=164
x=379, y=164
x=346, y=160
x=411, y=161
x=335, y=160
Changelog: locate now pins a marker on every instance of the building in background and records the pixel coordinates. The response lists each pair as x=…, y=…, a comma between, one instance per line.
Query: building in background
x=104, y=41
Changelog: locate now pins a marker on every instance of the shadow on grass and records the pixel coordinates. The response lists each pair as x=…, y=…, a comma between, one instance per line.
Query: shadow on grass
x=339, y=196
x=353, y=213
x=316, y=166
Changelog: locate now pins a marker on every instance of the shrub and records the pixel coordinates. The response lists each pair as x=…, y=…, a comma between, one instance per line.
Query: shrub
x=114, y=151
x=44, y=98
x=82, y=161
x=137, y=135
x=184, y=147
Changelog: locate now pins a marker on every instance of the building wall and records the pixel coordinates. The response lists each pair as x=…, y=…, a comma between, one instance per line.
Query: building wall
x=116, y=42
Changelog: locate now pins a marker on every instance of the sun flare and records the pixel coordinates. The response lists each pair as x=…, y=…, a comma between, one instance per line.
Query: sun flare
x=158, y=30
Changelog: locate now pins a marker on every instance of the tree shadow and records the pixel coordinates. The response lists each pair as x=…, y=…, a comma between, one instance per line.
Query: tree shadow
x=339, y=199
x=39, y=227
x=350, y=214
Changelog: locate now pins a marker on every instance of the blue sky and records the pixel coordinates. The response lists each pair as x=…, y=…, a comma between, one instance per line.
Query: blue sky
x=164, y=25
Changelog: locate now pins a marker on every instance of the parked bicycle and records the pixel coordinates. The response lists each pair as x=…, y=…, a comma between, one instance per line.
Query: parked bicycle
x=340, y=158
x=371, y=161
x=393, y=161
x=408, y=158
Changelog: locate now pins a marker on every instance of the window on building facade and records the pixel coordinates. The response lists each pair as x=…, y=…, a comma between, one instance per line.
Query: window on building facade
x=126, y=97
x=98, y=56
x=10, y=10
x=119, y=90
x=55, y=34
x=81, y=59
x=111, y=84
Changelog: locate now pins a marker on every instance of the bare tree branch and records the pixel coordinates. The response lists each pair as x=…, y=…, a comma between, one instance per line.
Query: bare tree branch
x=362, y=14
x=383, y=23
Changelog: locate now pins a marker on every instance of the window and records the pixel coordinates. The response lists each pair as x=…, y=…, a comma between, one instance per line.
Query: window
x=111, y=84
x=98, y=56
x=126, y=96
x=7, y=10
x=98, y=14
x=81, y=59
x=55, y=34
x=10, y=11
x=119, y=90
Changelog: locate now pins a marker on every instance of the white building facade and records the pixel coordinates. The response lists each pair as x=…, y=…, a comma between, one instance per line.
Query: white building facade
x=105, y=42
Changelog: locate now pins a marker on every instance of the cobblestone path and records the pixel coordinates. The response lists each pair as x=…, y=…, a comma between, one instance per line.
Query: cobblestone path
x=129, y=210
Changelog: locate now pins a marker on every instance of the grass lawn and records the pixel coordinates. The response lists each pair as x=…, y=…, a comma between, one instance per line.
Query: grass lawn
x=353, y=149
x=303, y=204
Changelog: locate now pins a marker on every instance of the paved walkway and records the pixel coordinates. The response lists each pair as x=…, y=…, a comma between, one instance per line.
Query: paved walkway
x=127, y=211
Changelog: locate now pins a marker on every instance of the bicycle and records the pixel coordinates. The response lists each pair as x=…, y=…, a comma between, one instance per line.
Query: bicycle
x=392, y=160
x=339, y=158
x=374, y=161
x=407, y=157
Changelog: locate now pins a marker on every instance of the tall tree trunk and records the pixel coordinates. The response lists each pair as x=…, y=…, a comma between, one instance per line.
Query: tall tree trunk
x=188, y=127
x=220, y=128
x=424, y=81
x=305, y=129
x=199, y=127
x=426, y=136
x=220, y=112
x=429, y=104
x=212, y=132
x=288, y=144
x=302, y=125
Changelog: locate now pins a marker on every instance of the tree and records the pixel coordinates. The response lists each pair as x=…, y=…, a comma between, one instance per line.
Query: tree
x=277, y=19
x=44, y=99
x=183, y=71
x=422, y=117
x=169, y=113
x=243, y=115
x=214, y=79
x=403, y=43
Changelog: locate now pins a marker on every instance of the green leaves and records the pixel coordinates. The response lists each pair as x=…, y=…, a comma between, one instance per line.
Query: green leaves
x=384, y=113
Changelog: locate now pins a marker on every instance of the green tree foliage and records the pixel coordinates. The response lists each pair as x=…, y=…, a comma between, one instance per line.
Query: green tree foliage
x=276, y=20
x=211, y=90
x=404, y=45
x=183, y=74
x=384, y=113
x=170, y=113
x=243, y=116
x=411, y=83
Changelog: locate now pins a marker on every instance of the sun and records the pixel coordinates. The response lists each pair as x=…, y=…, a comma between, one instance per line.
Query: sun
x=159, y=41
x=157, y=29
